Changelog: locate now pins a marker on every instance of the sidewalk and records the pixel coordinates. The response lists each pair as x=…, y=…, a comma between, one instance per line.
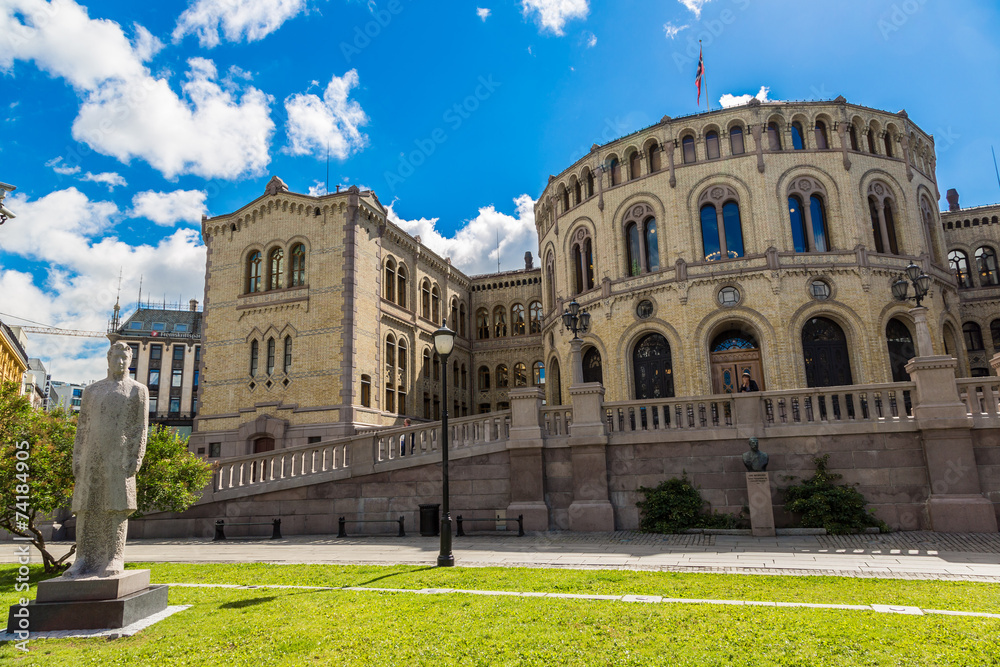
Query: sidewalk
x=910, y=555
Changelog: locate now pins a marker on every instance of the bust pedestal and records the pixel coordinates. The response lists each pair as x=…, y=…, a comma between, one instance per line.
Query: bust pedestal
x=761, y=507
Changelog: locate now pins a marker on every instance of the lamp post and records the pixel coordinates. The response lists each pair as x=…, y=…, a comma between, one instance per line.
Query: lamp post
x=444, y=342
x=576, y=322
x=921, y=286
x=5, y=213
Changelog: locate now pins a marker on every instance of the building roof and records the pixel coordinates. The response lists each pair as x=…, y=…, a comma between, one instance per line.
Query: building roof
x=6, y=332
x=162, y=322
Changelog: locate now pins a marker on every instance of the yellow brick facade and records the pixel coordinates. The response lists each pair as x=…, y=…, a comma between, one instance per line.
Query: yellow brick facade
x=13, y=359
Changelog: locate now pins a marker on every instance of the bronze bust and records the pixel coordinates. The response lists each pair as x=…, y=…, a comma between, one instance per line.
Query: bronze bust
x=755, y=460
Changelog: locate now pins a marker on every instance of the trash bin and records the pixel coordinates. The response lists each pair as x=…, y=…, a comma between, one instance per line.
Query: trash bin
x=430, y=520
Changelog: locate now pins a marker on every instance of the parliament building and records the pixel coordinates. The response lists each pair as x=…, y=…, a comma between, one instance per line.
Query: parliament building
x=764, y=237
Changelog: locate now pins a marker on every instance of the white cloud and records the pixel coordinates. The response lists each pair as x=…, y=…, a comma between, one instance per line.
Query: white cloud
x=483, y=13
x=169, y=208
x=62, y=169
x=553, y=14
x=591, y=40
x=109, y=178
x=317, y=189
x=64, y=231
x=238, y=21
x=473, y=248
x=695, y=6
x=315, y=124
x=128, y=113
x=671, y=30
x=729, y=100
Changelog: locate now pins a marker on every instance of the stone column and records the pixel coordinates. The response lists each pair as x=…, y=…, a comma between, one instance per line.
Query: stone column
x=668, y=146
x=527, y=465
x=924, y=346
x=842, y=132
x=576, y=361
x=759, y=146
x=591, y=507
x=956, y=503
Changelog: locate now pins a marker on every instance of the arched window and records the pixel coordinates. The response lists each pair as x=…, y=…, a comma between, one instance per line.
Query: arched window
x=538, y=374
x=425, y=299
x=454, y=374
x=277, y=262
x=900, y=344
x=633, y=165
x=427, y=364
x=550, y=280
x=482, y=324
x=652, y=368
x=583, y=261
x=270, y=355
x=615, y=168
x=590, y=184
x=592, y=367
x=687, y=145
x=822, y=142
x=461, y=320
x=577, y=192
x=454, y=315
x=652, y=247
x=254, y=272
x=853, y=131
x=736, y=144
x=959, y=263
x=871, y=140
x=655, y=157
x=712, y=145
x=465, y=377
x=880, y=208
x=721, y=226
x=366, y=391
x=798, y=136
x=390, y=280
x=634, y=254
x=436, y=366
x=973, y=337
x=986, y=264
x=927, y=214
x=564, y=195
x=824, y=350
x=502, y=377
x=254, y=356
x=520, y=375
x=535, y=317
x=887, y=140
x=287, y=366
x=995, y=334
x=298, y=265
x=401, y=286
x=402, y=361
x=499, y=322
x=484, y=378
x=435, y=304
x=517, y=323
x=774, y=136
x=809, y=231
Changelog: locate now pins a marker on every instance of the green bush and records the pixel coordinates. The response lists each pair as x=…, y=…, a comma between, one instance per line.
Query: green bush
x=823, y=504
x=674, y=506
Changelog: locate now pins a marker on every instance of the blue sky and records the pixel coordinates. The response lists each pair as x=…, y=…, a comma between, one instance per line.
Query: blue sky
x=123, y=122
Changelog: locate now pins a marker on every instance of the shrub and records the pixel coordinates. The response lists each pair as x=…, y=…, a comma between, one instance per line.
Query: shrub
x=674, y=506
x=839, y=508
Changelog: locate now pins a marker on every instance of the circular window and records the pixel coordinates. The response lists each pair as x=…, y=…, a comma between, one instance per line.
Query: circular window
x=644, y=309
x=820, y=290
x=729, y=296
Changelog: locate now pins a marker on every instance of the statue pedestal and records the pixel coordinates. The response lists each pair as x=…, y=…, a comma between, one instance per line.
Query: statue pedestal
x=90, y=604
x=761, y=507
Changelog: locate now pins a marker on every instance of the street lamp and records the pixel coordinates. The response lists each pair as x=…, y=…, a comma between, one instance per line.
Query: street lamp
x=5, y=212
x=921, y=284
x=574, y=320
x=444, y=342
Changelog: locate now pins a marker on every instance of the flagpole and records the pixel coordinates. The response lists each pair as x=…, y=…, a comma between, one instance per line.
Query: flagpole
x=997, y=169
x=708, y=101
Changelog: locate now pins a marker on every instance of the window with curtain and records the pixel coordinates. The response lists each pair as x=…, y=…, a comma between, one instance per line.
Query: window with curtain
x=736, y=140
x=687, y=146
x=277, y=268
x=712, y=145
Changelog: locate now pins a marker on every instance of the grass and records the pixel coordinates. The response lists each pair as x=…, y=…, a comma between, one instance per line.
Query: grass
x=262, y=627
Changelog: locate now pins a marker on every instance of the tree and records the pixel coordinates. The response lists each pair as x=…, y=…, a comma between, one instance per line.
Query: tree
x=36, y=471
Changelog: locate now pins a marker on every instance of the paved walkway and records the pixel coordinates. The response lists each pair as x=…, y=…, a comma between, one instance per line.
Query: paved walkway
x=910, y=555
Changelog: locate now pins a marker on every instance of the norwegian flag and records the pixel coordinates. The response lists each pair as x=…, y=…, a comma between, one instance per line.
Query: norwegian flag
x=701, y=72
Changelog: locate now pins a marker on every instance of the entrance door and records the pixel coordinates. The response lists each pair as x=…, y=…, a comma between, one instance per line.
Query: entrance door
x=652, y=368
x=824, y=347
x=261, y=445
x=733, y=352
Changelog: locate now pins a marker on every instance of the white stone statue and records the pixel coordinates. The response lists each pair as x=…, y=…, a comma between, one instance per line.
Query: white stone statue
x=110, y=443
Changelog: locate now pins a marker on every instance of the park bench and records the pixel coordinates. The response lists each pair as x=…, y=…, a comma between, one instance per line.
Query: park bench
x=220, y=528
x=342, y=525
x=520, y=523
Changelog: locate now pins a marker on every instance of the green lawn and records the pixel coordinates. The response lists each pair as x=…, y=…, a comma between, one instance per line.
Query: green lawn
x=305, y=627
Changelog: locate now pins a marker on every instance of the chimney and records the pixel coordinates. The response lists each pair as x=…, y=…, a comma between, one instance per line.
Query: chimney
x=953, y=200
x=193, y=305
x=528, y=263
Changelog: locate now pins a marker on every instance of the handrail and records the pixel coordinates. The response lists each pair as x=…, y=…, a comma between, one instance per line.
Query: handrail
x=848, y=403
